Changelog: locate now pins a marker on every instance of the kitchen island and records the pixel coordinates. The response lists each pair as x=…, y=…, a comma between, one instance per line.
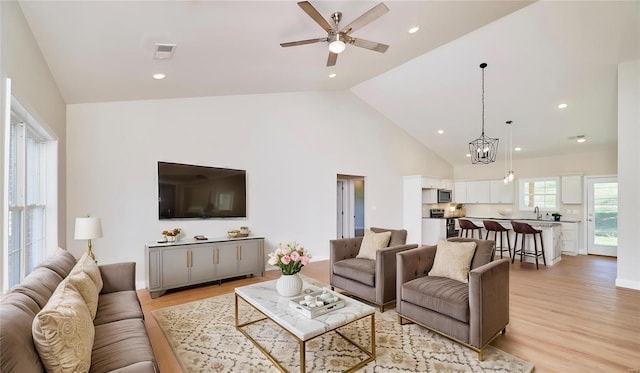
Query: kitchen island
x=551, y=236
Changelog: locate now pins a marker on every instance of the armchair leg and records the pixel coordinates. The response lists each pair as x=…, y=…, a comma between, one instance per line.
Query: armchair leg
x=504, y=331
x=481, y=355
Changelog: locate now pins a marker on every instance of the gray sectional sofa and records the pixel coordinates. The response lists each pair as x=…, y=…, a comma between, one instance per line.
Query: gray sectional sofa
x=120, y=342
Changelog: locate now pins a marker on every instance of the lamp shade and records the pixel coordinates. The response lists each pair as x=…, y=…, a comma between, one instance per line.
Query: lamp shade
x=88, y=228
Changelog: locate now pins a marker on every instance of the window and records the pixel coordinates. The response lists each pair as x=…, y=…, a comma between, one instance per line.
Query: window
x=542, y=193
x=29, y=188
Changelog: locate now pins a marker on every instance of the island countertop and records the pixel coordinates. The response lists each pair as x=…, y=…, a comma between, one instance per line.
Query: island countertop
x=522, y=219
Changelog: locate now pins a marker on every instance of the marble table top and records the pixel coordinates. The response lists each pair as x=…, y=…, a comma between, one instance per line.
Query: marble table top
x=266, y=299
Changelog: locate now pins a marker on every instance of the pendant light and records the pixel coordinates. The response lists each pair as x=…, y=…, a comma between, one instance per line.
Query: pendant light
x=484, y=148
x=509, y=176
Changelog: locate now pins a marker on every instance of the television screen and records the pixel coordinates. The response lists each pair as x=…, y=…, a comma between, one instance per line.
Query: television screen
x=190, y=191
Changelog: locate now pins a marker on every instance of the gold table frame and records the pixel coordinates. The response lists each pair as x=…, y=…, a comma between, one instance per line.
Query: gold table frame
x=371, y=353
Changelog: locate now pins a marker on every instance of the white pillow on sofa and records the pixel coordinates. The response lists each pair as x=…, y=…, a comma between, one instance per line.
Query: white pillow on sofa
x=87, y=289
x=90, y=267
x=372, y=242
x=63, y=332
x=453, y=260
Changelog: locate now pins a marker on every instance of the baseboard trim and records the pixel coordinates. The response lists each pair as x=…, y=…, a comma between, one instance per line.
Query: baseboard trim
x=622, y=283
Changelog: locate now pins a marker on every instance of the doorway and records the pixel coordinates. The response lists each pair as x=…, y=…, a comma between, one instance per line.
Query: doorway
x=349, y=206
x=602, y=216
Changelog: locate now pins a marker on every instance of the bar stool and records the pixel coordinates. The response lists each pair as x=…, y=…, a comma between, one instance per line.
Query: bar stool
x=524, y=229
x=468, y=225
x=495, y=227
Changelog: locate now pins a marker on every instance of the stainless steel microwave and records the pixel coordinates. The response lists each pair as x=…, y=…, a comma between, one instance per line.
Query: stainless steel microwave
x=444, y=195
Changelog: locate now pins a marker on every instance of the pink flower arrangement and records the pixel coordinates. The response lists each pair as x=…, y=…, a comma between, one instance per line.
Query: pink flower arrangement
x=290, y=258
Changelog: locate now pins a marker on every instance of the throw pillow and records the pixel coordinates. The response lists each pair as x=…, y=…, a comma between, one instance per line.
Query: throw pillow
x=453, y=260
x=63, y=332
x=85, y=286
x=90, y=267
x=372, y=242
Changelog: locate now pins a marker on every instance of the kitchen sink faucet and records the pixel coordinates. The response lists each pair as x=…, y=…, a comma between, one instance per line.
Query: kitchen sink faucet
x=537, y=211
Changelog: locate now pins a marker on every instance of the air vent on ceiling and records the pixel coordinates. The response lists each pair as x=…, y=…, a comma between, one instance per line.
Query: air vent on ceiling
x=164, y=51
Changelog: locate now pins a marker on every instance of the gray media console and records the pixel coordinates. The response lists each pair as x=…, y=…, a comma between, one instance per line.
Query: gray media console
x=189, y=262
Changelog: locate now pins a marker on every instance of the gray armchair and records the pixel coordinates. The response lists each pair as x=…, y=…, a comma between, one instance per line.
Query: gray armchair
x=371, y=280
x=471, y=314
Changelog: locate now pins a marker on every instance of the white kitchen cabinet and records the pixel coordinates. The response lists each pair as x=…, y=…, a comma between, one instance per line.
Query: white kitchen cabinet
x=433, y=230
x=412, y=207
x=571, y=187
x=501, y=192
x=431, y=182
x=479, y=191
x=460, y=192
x=570, y=238
x=429, y=195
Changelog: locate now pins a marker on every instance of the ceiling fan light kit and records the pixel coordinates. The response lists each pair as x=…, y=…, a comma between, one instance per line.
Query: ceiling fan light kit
x=338, y=38
x=483, y=150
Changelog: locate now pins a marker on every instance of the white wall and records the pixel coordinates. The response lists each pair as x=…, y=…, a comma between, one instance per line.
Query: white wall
x=292, y=145
x=33, y=85
x=628, y=175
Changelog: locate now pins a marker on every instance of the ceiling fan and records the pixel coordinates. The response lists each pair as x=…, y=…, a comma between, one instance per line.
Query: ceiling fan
x=339, y=38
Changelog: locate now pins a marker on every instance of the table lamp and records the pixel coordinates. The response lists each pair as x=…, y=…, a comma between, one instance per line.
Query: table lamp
x=88, y=228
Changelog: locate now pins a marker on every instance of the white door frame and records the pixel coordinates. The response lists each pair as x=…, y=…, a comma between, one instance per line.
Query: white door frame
x=588, y=218
x=347, y=209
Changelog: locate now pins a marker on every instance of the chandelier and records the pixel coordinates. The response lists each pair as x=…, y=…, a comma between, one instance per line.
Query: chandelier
x=484, y=148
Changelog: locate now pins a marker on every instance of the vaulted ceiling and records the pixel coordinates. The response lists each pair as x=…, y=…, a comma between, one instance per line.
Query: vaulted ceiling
x=539, y=55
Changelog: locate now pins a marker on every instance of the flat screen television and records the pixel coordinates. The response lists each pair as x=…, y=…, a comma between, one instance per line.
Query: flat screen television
x=189, y=191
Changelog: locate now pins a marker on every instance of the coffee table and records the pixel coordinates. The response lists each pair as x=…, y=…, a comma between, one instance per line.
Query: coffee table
x=264, y=298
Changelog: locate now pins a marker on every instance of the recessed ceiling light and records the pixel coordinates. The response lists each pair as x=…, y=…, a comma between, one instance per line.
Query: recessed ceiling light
x=413, y=30
x=159, y=76
x=562, y=106
x=468, y=155
x=333, y=75
x=440, y=132
x=517, y=149
x=581, y=138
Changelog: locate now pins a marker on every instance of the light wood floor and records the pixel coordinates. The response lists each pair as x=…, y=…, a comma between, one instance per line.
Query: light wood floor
x=565, y=318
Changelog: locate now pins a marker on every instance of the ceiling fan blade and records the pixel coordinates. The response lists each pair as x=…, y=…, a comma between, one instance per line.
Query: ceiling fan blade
x=371, y=15
x=333, y=57
x=302, y=42
x=372, y=45
x=313, y=13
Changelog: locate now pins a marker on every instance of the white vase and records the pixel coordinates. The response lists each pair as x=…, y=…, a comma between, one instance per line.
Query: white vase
x=172, y=238
x=289, y=285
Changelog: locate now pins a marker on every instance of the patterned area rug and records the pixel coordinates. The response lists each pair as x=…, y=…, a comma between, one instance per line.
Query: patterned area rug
x=204, y=339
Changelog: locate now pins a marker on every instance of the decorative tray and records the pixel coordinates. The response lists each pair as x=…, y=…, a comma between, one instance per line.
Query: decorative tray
x=316, y=303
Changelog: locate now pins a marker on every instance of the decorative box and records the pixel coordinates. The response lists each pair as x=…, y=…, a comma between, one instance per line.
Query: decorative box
x=317, y=303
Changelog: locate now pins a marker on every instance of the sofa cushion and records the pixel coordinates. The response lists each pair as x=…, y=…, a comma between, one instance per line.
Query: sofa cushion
x=361, y=270
x=120, y=344
x=453, y=260
x=90, y=267
x=87, y=288
x=121, y=305
x=61, y=262
x=440, y=294
x=63, y=332
x=371, y=243
x=17, y=352
x=39, y=285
